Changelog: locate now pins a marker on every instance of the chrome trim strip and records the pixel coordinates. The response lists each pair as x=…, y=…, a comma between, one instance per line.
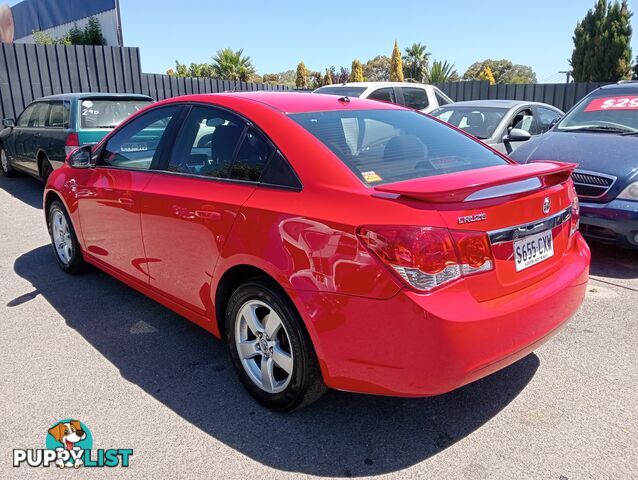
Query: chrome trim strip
x=521, y=186
x=517, y=232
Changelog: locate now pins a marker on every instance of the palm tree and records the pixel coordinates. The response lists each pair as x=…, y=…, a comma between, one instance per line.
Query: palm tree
x=441, y=72
x=233, y=65
x=415, y=61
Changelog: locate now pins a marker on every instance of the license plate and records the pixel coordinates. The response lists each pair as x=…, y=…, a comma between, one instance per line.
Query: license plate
x=533, y=249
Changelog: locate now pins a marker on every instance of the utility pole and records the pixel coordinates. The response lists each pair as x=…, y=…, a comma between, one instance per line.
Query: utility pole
x=568, y=75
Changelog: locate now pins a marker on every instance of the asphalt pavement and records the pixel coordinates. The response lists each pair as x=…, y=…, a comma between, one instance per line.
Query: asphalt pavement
x=143, y=378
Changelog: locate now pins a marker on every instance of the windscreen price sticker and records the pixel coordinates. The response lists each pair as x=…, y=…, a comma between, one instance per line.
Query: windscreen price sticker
x=613, y=103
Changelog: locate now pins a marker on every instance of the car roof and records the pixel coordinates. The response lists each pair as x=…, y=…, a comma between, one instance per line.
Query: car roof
x=494, y=103
x=378, y=84
x=292, y=102
x=82, y=95
x=621, y=86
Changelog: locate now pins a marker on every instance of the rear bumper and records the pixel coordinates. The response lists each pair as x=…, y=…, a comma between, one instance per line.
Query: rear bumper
x=422, y=345
x=615, y=222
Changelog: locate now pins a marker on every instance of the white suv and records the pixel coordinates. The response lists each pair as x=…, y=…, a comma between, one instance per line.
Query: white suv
x=413, y=95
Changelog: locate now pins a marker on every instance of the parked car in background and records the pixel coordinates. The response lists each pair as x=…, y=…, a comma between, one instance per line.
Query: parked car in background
x=450, y=261
x=600, y=133
x=49, y=128
x=412, y=95
x=502, y=124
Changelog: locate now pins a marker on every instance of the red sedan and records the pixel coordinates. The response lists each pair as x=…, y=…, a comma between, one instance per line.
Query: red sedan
x=332, y=242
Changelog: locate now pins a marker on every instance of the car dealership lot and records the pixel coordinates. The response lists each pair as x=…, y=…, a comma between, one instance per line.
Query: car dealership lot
x=143, y=378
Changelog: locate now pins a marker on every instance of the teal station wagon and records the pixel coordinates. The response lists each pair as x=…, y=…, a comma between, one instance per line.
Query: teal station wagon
x=51, y=127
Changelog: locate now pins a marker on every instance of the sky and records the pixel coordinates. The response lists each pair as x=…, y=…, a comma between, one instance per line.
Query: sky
x=279, y=34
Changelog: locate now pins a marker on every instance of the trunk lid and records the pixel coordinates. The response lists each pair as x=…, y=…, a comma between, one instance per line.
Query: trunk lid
x=513, y=204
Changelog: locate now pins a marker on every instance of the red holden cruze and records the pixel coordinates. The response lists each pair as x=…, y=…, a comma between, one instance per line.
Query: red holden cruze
x=330, y=241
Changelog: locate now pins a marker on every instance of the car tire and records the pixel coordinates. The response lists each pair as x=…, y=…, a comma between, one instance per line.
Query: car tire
x=45, y=170
x=5, y=164
x=262, y=325
x=64, y=241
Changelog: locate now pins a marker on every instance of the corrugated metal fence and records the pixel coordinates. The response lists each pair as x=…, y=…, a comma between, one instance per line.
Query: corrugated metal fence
x=30, y=71
x=561, y=95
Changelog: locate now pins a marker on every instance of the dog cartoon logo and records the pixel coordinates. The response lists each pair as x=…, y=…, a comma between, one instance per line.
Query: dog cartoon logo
x=70, y=435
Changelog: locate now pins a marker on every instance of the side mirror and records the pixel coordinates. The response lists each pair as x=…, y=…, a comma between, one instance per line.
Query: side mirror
x=81, y=158
x=517, y=135
x=8, y=123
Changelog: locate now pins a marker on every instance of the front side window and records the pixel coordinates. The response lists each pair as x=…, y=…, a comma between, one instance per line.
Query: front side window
x=58, y=115
x=441, y=99
x=384, y=95
x=414, y=97
x=39, y=116
x=207, y=143
x=136, y=145
x=109, y=112
x=545, y=118
x=395, y=145
x=524, y=120
x=23, y=120
x=610, y=111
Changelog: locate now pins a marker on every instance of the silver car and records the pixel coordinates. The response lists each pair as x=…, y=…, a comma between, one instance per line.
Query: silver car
x=502, y=124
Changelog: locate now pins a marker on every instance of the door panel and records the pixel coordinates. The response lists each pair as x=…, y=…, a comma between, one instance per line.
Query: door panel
x=185, y=221
x=34, y=137
x=109, y=205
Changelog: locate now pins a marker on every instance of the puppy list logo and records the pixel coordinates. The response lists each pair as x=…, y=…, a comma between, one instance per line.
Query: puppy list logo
x=69, y=443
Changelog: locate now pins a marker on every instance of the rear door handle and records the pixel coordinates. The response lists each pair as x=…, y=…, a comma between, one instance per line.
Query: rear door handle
x=126, y=201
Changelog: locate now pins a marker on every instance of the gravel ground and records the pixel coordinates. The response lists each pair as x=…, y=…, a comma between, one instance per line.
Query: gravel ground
x=142, y=377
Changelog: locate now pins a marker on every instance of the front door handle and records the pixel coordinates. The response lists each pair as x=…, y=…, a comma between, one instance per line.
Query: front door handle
x=126, y=201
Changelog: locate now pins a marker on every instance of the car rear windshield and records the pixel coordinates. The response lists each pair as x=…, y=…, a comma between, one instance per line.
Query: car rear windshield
x=385, y=146
x=610, y=110
x=108, y=112
x=478, y=121
x=342, y=91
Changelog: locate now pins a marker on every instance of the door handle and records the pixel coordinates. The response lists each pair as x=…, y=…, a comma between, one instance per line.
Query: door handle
x=126, y=201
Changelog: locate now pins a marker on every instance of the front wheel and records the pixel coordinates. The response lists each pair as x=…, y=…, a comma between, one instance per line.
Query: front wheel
x=271, y=349
x=64, y=240
x=7, y=169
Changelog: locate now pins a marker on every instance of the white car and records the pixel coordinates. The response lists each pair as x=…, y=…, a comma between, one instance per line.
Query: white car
x=413, y=95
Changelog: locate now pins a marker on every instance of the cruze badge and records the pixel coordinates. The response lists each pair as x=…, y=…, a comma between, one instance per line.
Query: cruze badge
x=547, y=204
x=478, y=217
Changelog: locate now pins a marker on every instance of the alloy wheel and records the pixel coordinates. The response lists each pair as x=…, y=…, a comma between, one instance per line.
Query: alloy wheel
x=62, y=240
x=264, y=346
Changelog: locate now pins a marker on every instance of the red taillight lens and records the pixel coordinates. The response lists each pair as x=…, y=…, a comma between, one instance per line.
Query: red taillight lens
x=72, y=142
x=427, y=257
x=474, y=250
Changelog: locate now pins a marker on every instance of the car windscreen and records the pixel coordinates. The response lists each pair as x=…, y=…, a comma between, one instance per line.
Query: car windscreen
x=607, y=110
x=108, y=112
x=478, y=121
x=341, y=91
x=385, y=146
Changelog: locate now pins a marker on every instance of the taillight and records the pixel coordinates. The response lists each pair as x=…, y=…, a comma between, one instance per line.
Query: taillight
x=574, y=222
x=428, y=257
x=72, y=142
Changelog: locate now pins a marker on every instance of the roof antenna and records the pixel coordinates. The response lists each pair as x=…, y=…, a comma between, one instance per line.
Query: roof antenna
x=344, y=99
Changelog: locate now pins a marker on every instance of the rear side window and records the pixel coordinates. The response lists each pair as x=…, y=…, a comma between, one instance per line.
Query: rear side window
x=58, y=115
x=107, y=113
x=136, y=144
x=395, y=145
x=384, y=95
x=253, y=155
x=207, y=142
x=414, y=97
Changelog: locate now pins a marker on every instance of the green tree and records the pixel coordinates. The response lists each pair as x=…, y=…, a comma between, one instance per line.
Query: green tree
x=272, y=78
x=356, y=72
x=327, y=78
x=377, y=69
x=396, y=65
x=91, y=34
x=503, y=71
x=416, y=61
x=487, y=74
x=232, y=65
x=302, y=76
x=441, y=72
x=602, y=43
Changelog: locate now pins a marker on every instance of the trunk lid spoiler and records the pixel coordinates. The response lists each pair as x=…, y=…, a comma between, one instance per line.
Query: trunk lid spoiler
x=457, y=187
